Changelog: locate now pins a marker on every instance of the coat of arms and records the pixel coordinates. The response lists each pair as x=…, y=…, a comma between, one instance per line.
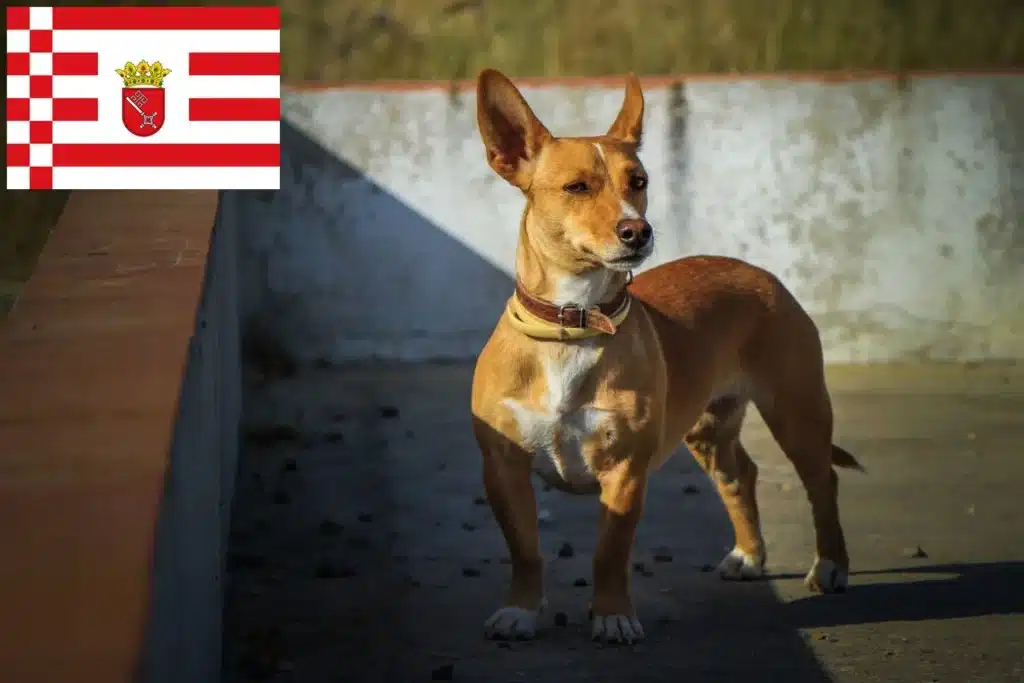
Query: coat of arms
x=143, y=103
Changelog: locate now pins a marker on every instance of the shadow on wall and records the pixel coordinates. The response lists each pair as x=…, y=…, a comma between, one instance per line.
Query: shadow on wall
x=383, y=289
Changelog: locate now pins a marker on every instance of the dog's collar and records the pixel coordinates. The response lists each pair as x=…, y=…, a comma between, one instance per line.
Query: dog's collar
x=542, y=319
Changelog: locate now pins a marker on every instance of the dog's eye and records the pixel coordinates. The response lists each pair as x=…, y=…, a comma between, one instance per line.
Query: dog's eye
x=579, y=187
x=638, y=183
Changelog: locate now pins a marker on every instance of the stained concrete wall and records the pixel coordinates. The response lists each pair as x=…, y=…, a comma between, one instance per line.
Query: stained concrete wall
x=893, y=210
x=183, y=638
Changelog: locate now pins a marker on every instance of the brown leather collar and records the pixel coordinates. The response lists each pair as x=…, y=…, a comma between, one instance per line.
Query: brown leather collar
x=597, y=318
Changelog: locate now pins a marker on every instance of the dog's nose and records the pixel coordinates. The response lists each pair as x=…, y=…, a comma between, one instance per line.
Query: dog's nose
x=634, y=232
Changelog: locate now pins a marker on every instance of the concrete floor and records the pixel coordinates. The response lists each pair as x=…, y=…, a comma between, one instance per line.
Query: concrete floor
x=361, y=552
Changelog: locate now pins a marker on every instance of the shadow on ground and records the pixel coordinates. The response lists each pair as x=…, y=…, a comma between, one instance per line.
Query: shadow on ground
x=362, y=552
x=952, y=591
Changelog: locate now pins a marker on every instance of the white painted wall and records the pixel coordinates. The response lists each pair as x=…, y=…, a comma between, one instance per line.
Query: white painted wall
x=893, y=213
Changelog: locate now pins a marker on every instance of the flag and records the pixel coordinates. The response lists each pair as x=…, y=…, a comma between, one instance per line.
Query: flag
x=158, y=98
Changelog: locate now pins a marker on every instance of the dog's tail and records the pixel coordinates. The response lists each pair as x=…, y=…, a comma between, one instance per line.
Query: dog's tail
x=843, y=458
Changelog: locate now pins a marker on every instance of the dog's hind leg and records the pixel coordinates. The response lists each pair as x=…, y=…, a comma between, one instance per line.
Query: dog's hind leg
x=800, y=419
x=715, y=443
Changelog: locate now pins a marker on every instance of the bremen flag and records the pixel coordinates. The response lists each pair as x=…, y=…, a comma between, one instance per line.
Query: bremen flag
x=156, y=98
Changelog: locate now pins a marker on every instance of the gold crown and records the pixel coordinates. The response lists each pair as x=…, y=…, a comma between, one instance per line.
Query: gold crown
x=143, y=73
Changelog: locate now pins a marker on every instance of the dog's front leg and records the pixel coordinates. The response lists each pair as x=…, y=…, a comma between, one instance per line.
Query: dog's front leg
x=510, y=494
x=622, y=502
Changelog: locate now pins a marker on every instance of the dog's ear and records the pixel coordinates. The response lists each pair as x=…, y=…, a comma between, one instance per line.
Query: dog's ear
x=512, y=135
x=629, y=124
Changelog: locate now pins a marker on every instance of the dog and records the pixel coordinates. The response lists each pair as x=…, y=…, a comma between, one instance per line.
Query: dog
x=592, y=379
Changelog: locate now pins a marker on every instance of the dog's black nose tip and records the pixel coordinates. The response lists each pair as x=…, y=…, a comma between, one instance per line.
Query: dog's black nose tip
x=634, y=232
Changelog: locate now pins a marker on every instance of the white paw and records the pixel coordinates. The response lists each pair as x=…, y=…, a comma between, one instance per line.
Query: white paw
x=826, y=577
x=617, y=628
x=513, y=623
x=739, y=566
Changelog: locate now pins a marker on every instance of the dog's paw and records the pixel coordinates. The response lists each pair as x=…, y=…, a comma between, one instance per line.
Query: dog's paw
x=617, y=628
x=826, y=577
x=513, y=623
x=739, y=566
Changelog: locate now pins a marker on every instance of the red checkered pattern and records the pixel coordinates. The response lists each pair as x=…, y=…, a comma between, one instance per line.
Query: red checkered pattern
x=30, y=97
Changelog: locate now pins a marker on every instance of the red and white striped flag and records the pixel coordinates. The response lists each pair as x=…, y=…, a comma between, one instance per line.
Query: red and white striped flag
x=160, y=98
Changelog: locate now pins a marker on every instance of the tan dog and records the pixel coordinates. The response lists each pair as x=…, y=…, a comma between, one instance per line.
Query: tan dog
x=593, y=388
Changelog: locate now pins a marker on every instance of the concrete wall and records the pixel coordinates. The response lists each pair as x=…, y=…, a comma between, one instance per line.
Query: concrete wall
x=892, y=210
x=183, y=639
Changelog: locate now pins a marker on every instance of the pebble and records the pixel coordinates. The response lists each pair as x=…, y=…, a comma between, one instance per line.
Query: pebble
x=445, y=672
x=470, y=572
x=561, y=619
x=365, y=517
x=641, y=569
x=467, y=526
x=663, y=555
x=291, y=464
x=691, y=490
x=914, y=552
x=269, y=435
x=479, y=500
x=329, y=527
x=388, y=412
x=330, y=570
x=566, y=550
x=580, y=583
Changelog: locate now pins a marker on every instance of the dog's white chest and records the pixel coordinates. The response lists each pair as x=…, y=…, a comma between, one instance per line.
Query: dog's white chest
x=557, y=427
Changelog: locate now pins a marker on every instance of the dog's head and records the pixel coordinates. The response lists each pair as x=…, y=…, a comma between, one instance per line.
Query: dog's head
x=586, y=197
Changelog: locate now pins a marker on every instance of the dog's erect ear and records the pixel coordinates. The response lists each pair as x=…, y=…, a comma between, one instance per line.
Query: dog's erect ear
x=629, y=124
x=512, y=135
